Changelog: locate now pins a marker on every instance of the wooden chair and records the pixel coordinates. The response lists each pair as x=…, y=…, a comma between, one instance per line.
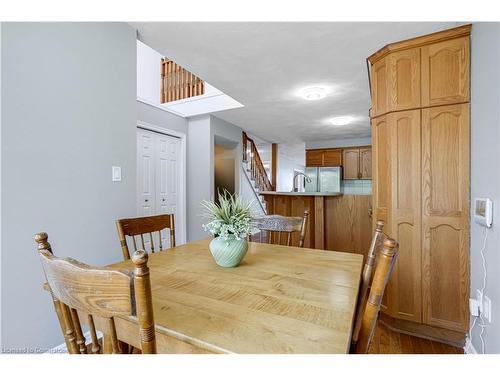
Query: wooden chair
x=383, y=270
x=276, y=225
x=376, y=245
x=140, y=226
x=99, y=294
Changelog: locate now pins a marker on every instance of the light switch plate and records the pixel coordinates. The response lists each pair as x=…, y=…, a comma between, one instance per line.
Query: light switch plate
x=116, y=173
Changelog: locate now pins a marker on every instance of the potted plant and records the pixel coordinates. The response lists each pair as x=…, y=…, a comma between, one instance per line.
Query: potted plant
x=230, y=222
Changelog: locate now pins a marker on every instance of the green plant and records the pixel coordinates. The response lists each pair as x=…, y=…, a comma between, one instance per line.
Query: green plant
x=230, y=218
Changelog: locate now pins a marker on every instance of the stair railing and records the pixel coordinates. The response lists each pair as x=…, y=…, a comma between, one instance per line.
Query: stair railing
x=257, y=171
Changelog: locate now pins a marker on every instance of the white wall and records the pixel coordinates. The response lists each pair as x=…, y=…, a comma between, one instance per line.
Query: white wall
x=148, y=73
x=337, y=143
x=291, y=157
x=68, y=114
x=202, y=131
x=199, y=173
x=485, y=170
x=155, y=116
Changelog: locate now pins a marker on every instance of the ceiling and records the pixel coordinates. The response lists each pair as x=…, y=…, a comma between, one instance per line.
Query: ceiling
x=263, y=65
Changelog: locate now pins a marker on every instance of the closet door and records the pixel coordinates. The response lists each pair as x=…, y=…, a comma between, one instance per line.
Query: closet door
x=445, y=216
x=167, y=178
x=146, y=188
x=404, y=289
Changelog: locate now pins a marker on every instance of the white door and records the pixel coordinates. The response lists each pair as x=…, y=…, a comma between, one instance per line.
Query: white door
x=159, y=179
x=146, y=205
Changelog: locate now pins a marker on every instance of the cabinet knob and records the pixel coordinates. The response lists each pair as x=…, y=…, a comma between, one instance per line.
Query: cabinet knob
x=146, y=200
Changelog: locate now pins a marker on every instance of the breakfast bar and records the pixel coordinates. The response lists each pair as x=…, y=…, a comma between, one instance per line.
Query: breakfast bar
x=336, y=221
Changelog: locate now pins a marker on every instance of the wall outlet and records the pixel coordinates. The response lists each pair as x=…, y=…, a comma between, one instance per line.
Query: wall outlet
x=486, y=310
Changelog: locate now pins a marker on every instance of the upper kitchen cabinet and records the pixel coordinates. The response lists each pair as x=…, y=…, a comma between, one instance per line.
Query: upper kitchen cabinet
x=351, y=164
x=324, y=158
x=332, y=158
x=422, y=72
x=314, y=158
x=403, y=80
x=445, y=72
x=357, y=163
x=379, y=88
x=365, y=163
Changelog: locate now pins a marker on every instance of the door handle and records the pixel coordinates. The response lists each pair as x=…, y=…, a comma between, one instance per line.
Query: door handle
x=146, y=200
x=163, y=199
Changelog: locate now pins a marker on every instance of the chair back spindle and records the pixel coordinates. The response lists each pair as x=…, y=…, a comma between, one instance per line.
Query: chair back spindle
x=279, y=229
x=151, y=226
x=98, y=293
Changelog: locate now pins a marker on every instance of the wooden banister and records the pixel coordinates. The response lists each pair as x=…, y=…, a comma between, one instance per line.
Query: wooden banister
x=257, y=171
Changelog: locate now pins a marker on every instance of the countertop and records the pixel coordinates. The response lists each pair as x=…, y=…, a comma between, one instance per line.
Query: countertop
x=301, y=193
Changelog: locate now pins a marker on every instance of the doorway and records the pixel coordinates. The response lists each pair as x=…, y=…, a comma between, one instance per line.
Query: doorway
x=159, y=178
x=224, y=166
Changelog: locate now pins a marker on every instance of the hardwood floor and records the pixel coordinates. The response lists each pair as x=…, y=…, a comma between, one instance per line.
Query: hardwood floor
x=386, y=341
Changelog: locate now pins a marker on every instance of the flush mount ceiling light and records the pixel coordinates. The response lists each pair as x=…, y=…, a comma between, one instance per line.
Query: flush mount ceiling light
x=340, y=121
x=313, y=93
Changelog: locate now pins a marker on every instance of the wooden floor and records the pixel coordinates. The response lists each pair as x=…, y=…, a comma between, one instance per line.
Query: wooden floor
x=386, y=341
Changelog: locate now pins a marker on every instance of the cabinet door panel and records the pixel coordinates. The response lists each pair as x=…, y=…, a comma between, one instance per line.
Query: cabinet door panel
x=379, y=88
x=445, y=216
x=332, y=158
x=404, y=80
x=314, y=158
x=404, y=289
x=445, y=72
x=381, y=170
x=350, y=164
x=365, y=163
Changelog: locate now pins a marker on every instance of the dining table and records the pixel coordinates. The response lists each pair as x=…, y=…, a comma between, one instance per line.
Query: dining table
x=280, y=299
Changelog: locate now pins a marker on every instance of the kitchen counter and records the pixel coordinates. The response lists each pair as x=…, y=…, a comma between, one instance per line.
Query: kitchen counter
x=336, y=221
x=301, y=193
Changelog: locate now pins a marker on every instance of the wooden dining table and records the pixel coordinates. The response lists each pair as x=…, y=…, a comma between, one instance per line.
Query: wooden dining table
x=280, y=299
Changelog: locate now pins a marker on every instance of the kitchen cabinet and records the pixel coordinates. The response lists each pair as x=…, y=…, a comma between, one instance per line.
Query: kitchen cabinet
x=365, y=163
x=445, y=72
x=351, y=164
x=403, y=84
x=324, y=158
x=379, y=88
x=421, y=178
x=357, y=163
x=445, y=215
x=332, y=158
x=314, y=158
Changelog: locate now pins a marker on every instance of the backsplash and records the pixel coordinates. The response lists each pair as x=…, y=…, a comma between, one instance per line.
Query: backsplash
x=356, y=187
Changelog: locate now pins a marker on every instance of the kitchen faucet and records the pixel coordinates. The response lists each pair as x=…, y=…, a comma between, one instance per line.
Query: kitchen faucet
x=295, y=187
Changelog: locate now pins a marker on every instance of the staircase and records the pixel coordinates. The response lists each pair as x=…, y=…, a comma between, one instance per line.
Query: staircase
x=254, y=170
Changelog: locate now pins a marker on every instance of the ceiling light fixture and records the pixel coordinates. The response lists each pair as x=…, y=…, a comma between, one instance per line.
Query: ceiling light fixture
x=340, y=121
x=313, y=93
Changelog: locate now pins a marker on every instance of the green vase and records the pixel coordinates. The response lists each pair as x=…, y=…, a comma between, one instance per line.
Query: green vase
x=228, y=253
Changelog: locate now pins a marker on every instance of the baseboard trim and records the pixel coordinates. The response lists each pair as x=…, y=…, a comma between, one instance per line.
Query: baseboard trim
x=469, y=348
x=423, y=331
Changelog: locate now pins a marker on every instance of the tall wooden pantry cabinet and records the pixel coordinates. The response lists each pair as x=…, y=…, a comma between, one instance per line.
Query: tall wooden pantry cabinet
x=420, y=91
